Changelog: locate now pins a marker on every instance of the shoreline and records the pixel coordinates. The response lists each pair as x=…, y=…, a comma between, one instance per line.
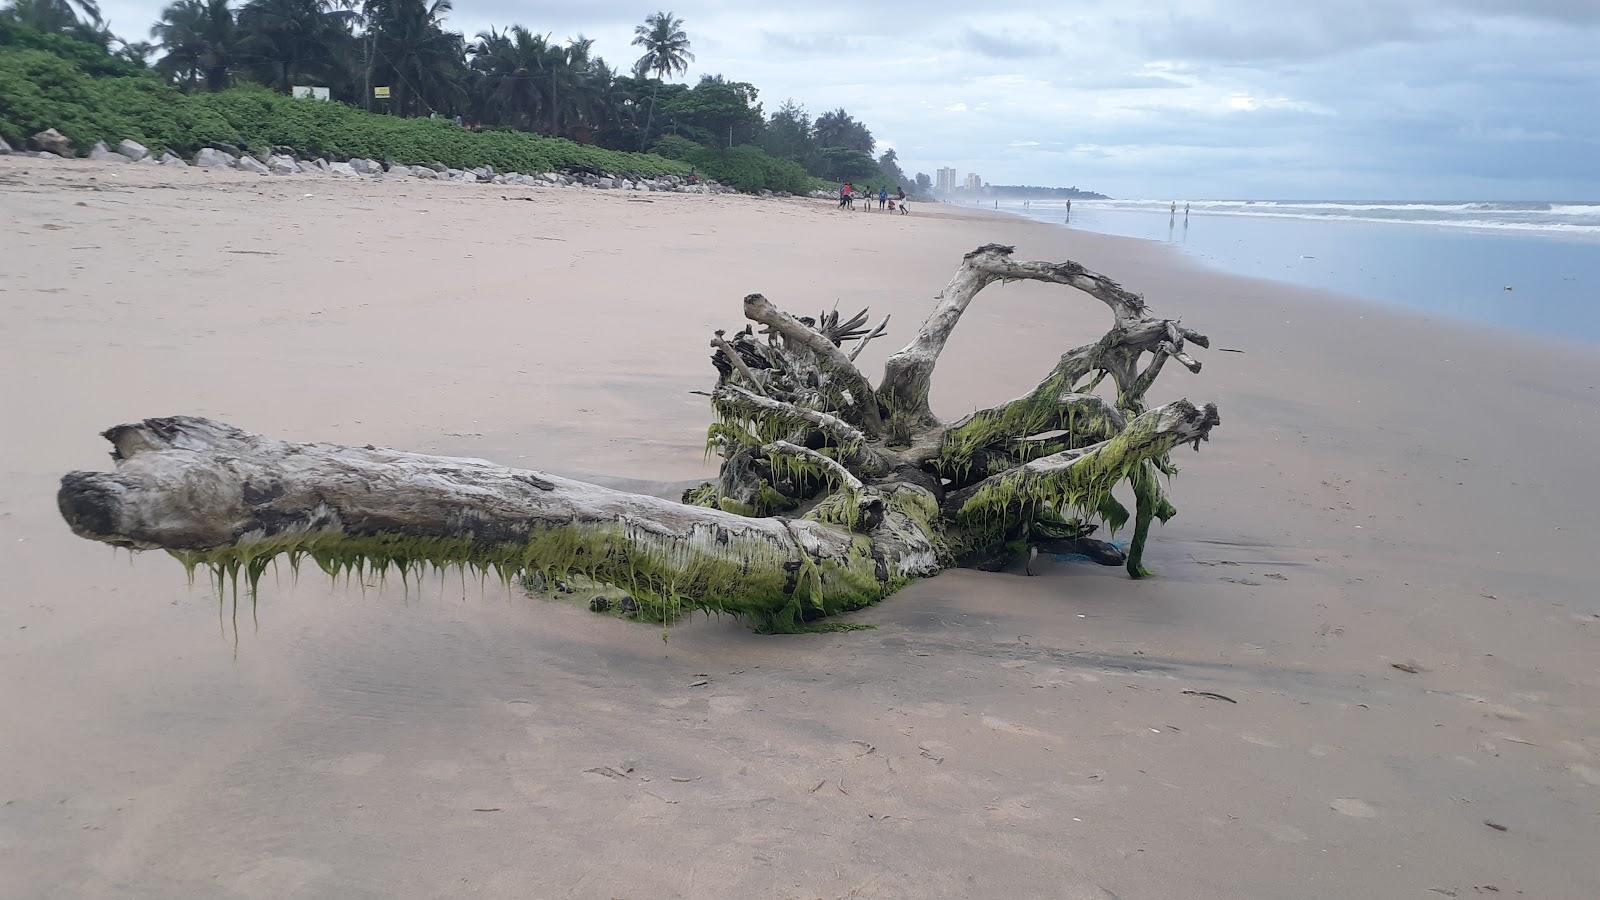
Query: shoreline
x=1383, y=490
x=1557, y=299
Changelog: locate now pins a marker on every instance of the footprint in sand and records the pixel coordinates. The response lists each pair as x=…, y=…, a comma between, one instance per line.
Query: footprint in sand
x=999, y=724
x=1287, y=834
x=930, y=710
x=439, y=770
x=279, y=876
x=354, y=764
x=1507, y=713
x=1358, y=809
x=1573, y=749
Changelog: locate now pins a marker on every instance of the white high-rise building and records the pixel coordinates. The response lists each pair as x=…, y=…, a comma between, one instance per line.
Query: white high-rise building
x=973, y=181
x=945, y=182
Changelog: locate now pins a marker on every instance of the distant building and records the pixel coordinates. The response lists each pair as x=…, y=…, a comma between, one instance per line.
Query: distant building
x=973, y=181
x=946, y=181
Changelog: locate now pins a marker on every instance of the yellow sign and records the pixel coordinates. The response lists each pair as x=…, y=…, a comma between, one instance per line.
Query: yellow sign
x=380, y=93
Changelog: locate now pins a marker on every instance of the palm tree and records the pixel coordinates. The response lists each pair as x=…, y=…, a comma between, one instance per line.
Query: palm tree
x=56, y=16
x=90, y=9
x=567, y=70
x=615, y=103
x=507, y=65
x=666, y=52
x=593, y=97
x=410, y=47
x=198, y=37
x=136, y=52
x=289, y=39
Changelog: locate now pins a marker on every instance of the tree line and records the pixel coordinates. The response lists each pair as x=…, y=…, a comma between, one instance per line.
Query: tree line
x=514, y=78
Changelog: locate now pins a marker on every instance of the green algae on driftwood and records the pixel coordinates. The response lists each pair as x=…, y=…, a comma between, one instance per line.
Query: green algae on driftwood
x=832, y=493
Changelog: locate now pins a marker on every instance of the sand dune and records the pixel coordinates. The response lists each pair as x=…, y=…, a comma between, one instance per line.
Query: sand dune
x=1382, y=490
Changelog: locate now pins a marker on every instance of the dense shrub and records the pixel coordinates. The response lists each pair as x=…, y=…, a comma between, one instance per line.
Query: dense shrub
x=746, y=167
x=263, y=119
x=41, y=88
x=673, y=146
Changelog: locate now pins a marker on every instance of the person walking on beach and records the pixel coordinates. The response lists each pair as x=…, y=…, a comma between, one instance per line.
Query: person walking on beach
x=883, y=197
x=844, y=194
x=900, y=197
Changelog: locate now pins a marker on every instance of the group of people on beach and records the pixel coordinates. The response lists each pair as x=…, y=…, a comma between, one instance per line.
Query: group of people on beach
x=896, y=202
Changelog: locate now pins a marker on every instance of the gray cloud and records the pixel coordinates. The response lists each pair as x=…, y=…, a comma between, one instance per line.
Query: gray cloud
x=1336, y=98
x=1003, y=46
x=1275, y=32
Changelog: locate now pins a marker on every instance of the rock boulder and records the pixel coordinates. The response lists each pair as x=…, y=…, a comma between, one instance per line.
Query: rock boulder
x=132, y=150
x=53, y=141
x=210, y=158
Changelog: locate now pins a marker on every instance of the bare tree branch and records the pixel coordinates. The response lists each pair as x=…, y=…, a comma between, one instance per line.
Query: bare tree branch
x=838, y=471
x=908, y=373
x=839, y=430
x=829, y=357
x=867, y=338
x=736, y=361
x=215, y=495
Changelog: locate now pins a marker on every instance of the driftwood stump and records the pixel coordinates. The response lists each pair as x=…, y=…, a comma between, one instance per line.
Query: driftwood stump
x=832, y=492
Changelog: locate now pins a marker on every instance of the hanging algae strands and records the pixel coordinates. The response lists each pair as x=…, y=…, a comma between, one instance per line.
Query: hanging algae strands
x=994, y=473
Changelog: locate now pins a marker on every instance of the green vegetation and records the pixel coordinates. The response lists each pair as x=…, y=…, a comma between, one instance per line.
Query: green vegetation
x=529, y=103
x=40, y=89
x=744, y=167
x=747, y=578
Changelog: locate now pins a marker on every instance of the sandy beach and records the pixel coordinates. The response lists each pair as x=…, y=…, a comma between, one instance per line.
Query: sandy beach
x=1384, y=489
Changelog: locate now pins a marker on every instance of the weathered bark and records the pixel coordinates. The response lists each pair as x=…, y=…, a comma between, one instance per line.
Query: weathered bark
x=735, y=398
x=830, y=359
x=212, y=494
x=832, y=493
x=737, y=361
x=908, y=374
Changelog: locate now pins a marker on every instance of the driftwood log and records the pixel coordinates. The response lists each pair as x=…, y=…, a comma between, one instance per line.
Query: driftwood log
x=832, y=493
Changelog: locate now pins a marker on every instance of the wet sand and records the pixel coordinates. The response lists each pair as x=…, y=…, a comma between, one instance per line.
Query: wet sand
x=1384, y=489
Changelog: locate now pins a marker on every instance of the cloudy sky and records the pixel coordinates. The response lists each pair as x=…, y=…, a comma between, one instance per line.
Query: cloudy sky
x=1315, y=99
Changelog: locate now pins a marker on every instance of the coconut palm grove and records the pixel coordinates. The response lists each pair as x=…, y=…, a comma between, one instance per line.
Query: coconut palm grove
x=61, y=66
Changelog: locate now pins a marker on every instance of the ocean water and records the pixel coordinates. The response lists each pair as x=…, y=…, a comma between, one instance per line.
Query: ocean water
x=1533, y=267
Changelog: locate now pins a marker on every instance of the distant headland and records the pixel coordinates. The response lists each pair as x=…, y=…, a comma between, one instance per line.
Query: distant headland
x=1021, y=192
